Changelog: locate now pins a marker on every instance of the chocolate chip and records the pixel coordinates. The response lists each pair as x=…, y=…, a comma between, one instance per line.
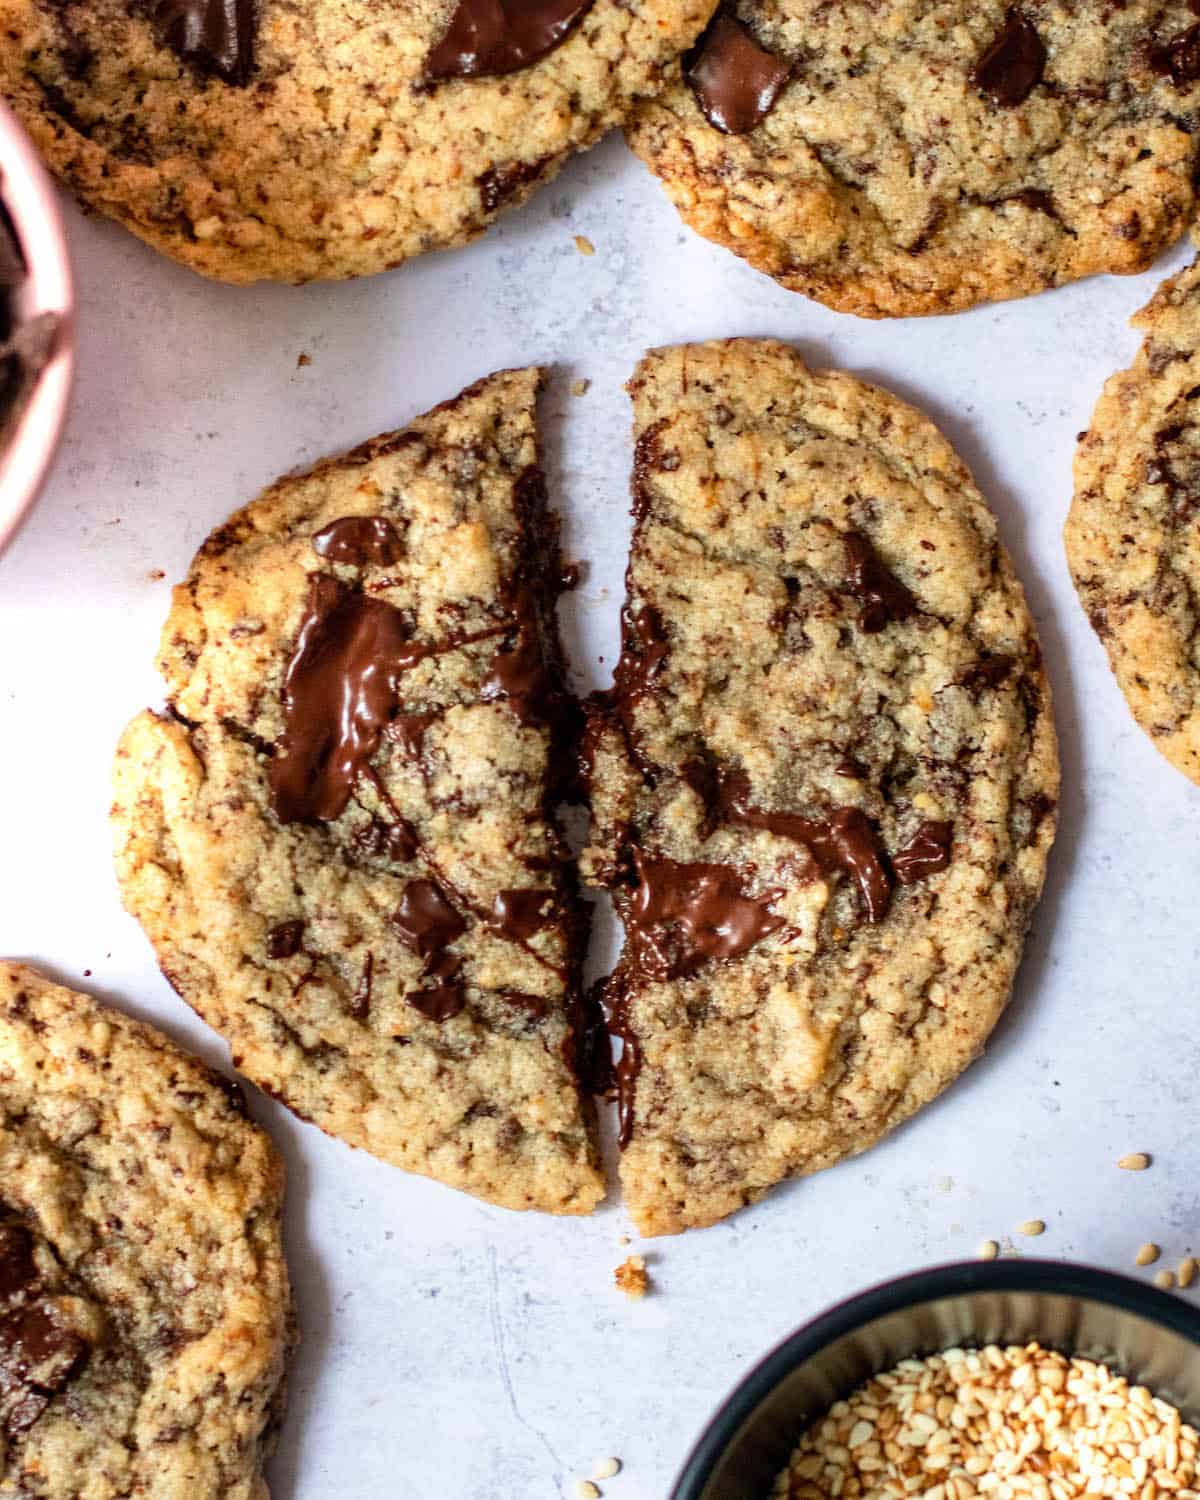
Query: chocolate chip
x=520, y=914
x=1179, y=58
x=498, y=184
x=927, y=852
x=426, y=920
x=736, y=82
x=283, y=940
x=487, y=38
x=359, y=540
x=214, y=36
x=1013, y=63
x=884, y=598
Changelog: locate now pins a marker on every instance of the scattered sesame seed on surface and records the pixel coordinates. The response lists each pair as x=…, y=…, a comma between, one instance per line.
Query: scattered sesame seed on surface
x=1187, y=1270
x=1136, y=1161
x=580, y=387
x=606, y=1468
x=1032, y=1227
x=1147, y=1254
x=1164, y=1280
x=988, y=1250
x=584, y=245
x=586, y=1490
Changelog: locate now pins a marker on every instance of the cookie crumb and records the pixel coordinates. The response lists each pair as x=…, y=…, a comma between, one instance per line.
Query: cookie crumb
x=1032, y=1227
x=155, y=574
x=1164, y=1280
x=302, y=360
x=1187, y=1270
x=584, y=245
x=624, y=1239
x=581, y=387
x=631, y=1276
x=606, y=1468
x=586, y=1490
x=988, y=1250
x=1136, y=1161
x=1147, y=1254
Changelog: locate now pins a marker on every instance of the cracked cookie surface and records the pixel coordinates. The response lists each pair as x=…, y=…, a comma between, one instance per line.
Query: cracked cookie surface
x=144, y=1305
x=923, y=156
x=823, y=783
x=339, y=838
x=337, y=155
x=1132, y=540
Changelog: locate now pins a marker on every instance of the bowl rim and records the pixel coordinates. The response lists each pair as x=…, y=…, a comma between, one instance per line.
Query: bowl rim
x=911, y=1290
x=32, y=202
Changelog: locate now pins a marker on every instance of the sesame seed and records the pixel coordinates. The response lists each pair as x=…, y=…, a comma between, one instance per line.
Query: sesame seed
x=1187, y=1270
x=988, y=1250
x=584, y=245
x=1136, y=1161
x=586, y=1490
x=606, y=1468
x=1147, y=1255
x=1032, y=1227
x=1164, y=1280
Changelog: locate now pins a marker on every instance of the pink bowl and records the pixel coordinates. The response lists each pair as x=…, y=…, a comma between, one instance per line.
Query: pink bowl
x=29, y=197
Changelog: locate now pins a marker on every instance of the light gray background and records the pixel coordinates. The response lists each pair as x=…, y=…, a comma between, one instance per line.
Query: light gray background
x=452, y=1350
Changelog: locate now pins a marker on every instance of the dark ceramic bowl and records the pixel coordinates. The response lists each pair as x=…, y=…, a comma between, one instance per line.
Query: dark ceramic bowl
x=32, y=208
x=1147, y=1335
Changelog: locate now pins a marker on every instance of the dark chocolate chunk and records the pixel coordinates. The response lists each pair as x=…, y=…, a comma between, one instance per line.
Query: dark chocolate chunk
x=39, y=1354
x=17, y=1270
x=359, y=540
x=360, y=1001
x=426, y=920
x=1012, y=65
x=988, y=672
x=498, y=184
x=1179, y=58
x=680, y=916
x=214, y=36
x=736, y=82
x=519, y=914
x=927, y=852
x=439, y=1003
x=518, y=672
x=487, y=38
x=283, y=940
x=884, y=597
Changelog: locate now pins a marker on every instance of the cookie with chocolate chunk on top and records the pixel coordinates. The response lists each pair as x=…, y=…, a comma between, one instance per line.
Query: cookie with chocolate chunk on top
x=823, y=783
x=145, y=1315
x=289, y=140
x=339, y=837
x=905, y=157
x=1131, y=536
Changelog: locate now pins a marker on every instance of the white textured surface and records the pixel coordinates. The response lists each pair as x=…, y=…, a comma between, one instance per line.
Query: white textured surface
x=451, y=1350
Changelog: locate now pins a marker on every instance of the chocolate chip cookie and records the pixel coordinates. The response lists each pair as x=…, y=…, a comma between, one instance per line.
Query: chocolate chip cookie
x=1132, y=540
x=823, y=782
x=144, y=1305
x=293, y=139
x=339, y=836
x=902, y=157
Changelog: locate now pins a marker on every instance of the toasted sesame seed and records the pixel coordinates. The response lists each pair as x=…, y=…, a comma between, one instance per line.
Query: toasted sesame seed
x=988, y=1250
x=1164, y=1279
x=1187, y=1270
x=586, y=1490
x=1147, y=1254
x=1032, y=1227
x=606, y=1468
x=584, y=245
x=1136, y=1161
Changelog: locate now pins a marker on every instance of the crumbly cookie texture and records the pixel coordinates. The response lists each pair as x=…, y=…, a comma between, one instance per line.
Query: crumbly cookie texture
x=823, y=784
x=1131, y=538
x=927, y=155
x=335, y=158
x=144, y=1305
x=338, y=838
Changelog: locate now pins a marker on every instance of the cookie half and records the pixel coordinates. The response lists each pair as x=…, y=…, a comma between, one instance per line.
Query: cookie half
x=144, y=1305
x=294, y=139
x=1131, y=536
x=339, y=837
x=823, y=784
x=919, y=156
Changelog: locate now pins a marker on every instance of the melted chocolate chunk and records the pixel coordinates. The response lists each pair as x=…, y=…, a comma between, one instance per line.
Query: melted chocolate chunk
x=426, y=920
x=927, y=852
x=487, y=38
x=644, y=648
x=339, y=695
x=884, y=597
x=360, y=1001
x=681, y=916
x=283, y=940
x=39, y=1354
x=519, y=914
x=214, y=36
x=396, y=840
x=439, y=1003
x=845, y=840
x=518, y=672
x=988, y=672
x=17, y=1270
x=498, y=184
x=623, y=1075
x=736, y=82
x=1179, y=58
x=1013, y=63
x=409, y=730
x=359, y=540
